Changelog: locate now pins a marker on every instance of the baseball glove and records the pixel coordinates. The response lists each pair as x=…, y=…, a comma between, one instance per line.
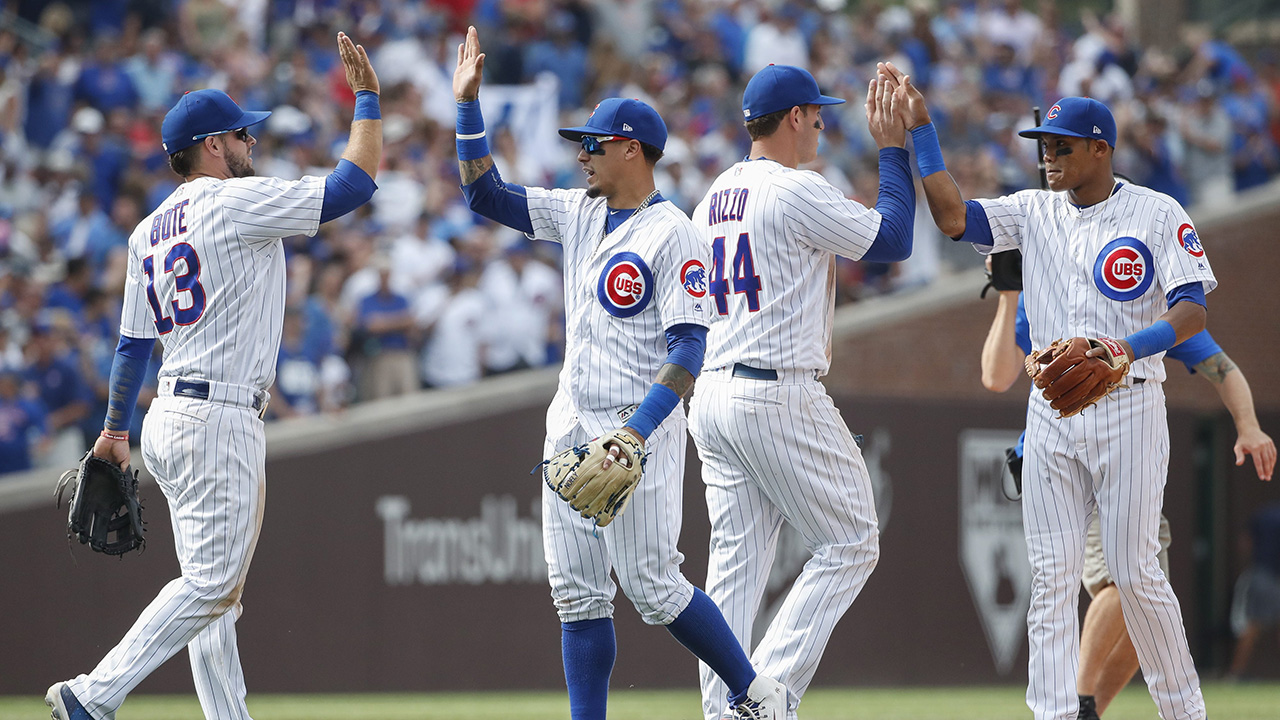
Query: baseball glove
x=1005, y=273
x=1070, y=379
x=577, y=477
x=104, y=501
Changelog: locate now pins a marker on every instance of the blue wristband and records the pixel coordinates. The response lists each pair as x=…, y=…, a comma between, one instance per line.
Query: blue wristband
x=657, y=405
x=1151, y=340
x=471, y=141
x=367, y=107
x=928, y=151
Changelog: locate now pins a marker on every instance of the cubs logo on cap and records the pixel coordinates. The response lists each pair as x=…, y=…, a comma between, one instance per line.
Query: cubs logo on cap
x=1077, y=117
x=626, y=285
x=1124, y=269
x=624, y=117
x=1190, y=241
x=693, y=276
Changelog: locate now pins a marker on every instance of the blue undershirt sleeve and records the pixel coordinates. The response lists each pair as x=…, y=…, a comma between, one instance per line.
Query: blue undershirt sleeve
x=345, y=189
x=127, y=373
x=686, y=345
x=1194, y=350
x=1022, y=328
x=1191, y=292
x=896, y=204
x=977, y=228
x=506, y=203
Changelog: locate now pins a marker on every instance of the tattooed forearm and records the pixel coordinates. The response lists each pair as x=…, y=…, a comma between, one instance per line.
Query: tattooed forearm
x=675, y=377
x=471, y=170
x=1216, y=367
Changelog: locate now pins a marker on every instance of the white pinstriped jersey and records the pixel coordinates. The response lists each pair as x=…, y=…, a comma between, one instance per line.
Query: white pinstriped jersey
x=206, y=275
x=1103, y=270
x=774, y=232
x=621, y=293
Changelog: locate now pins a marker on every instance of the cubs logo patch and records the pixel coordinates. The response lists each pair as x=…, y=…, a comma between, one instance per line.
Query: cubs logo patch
x=1124, y=269
x=626, y=285
x=694, y=278
x=1053, y=112
x=1190, y=241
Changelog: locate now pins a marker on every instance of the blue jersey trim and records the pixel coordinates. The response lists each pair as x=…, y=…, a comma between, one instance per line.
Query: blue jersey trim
x=345, y=189
x=977, y=228
x=897, y=207
x=1191, y=292
x=1194, y=350
x=686, y=345
x=505, y=203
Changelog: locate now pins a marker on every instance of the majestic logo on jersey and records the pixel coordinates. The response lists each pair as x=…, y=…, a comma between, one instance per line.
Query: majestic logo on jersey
x=694, y=278
x=1124, y=269
x=1190, y=241
x=626, y=285
x=1053, y=112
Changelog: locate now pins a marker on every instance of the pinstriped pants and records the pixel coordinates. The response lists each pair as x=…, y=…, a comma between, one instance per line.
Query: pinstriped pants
x=640, y=544
x=774, y=451
x=1113, y=456
x=209, y=461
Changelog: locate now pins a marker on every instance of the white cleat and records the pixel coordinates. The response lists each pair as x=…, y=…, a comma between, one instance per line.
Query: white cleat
x=766, y=700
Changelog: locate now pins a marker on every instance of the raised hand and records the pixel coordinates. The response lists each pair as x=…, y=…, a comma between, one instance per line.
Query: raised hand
x=466, y=78
x=884, y=118
x=360, y=74
x=912, y=107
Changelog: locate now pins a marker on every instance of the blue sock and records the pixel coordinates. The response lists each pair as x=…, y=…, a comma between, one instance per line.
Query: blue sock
x=589, y=649
x=702, y=629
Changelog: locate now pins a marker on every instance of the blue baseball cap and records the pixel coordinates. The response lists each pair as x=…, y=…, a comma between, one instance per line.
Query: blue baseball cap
x=1077, y=117
x=781, y=87
x=201, y=114
x=623, y=117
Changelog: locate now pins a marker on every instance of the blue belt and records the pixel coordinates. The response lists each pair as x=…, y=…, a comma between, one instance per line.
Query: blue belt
x=199, y=390
x=746, y=371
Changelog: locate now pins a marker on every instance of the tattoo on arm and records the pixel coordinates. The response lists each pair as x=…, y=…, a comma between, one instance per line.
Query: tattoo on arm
x=1216, y=367
x=676, y=378
x=471, y=170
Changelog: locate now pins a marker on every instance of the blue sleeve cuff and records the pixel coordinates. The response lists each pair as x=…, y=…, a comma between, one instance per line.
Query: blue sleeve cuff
x=686, y=345
x=977, y=228
x=657, y=405
x=1191, y=292
x=506, y=203
x=896, y=204
x=127, y=372
x=345, y=189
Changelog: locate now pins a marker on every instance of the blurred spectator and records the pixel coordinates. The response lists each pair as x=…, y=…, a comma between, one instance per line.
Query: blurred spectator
x=383, y=321
x=154, y=72
x=59, y=384
x=297, y=388
x=103, y=82
x=1256, y=606
x=22, y=424
x=453, y=354
x=776, y=40
x=1206, y=130
x=526, y=298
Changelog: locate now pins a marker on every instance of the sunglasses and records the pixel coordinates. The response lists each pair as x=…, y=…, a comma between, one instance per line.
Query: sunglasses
x=242, y=134
x=594, y=144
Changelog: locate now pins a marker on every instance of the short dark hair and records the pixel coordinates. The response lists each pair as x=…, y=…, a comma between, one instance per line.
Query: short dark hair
x=766, y=125
x=183, y=162
x=651, y=153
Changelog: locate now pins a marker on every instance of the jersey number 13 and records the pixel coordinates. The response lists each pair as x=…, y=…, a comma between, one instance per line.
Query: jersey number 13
x=186, y=279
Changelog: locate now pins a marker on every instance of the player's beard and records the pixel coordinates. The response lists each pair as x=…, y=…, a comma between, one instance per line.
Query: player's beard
x=240, y=165
x=594, y=192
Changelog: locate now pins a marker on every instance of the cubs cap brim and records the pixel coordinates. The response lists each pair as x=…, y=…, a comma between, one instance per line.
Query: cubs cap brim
x=1036, y=132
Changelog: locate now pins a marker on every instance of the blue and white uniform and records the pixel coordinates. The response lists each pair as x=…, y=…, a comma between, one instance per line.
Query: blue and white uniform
x=1102, y=270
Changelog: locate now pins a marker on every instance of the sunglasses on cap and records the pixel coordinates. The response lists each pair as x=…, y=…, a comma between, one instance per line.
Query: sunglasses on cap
x=594, y=144
x=242, y=134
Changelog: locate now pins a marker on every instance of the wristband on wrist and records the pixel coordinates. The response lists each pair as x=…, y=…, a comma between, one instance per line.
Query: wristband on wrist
x=1160, y=336
x=115, y=434
x=928, y=151
x=472, y=144
x=367, y=106
x=656, y=406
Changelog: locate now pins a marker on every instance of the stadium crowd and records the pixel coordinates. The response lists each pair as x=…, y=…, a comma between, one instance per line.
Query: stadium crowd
x=413, y=290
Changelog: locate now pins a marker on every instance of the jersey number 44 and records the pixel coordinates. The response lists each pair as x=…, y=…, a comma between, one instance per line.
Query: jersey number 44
x=745, y=280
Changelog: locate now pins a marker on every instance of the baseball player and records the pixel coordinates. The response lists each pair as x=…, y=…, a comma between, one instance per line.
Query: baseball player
x=1120, y=264
x=206, y=276
x=1108, y=660
x=637, y=312
x=773, y=446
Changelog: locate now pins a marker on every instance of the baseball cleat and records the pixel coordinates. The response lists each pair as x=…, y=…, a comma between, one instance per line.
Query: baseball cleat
x=64, y=705
x=766, y=700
